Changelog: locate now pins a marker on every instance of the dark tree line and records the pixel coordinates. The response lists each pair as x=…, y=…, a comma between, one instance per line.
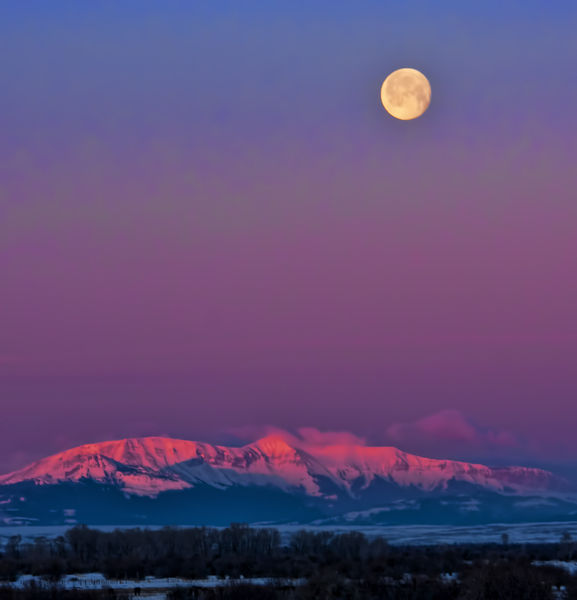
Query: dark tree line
x=326, y=565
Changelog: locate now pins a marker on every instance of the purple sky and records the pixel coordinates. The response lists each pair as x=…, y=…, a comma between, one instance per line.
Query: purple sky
x=208, y=223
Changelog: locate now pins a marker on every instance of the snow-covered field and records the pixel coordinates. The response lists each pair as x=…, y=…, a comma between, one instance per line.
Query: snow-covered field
x=97, y=581
x=449, y=534
x=398, y=534
x=151, y=588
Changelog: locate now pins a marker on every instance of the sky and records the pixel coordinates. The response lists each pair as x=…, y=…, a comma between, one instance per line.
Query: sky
x=209, y=225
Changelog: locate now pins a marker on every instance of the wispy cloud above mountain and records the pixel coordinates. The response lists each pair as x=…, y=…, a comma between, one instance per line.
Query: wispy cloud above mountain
x=303, y=437
x=447, y=434
x=451, y=431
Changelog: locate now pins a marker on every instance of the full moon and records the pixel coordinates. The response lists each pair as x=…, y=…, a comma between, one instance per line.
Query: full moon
x=406, y=94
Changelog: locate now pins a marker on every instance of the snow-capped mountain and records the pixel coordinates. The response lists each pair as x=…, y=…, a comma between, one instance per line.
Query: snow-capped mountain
x=148, y=466
x=333, y=478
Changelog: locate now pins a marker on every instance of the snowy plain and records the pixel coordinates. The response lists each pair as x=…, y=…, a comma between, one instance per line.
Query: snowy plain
x=519, y=533
x=151, y=588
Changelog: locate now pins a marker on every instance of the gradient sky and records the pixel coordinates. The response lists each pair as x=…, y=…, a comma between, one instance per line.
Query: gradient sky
x=208, y=223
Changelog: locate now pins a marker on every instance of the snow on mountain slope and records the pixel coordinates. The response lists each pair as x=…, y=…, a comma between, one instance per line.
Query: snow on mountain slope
x=364, y=464
x=97, y=464
x=148, y=466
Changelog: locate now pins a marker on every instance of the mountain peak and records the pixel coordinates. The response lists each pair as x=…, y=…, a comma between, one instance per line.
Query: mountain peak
x=272, y=476
x=150, y=465
x=273, y=445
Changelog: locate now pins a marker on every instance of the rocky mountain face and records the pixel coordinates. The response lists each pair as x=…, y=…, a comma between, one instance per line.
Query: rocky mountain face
x=205, y=483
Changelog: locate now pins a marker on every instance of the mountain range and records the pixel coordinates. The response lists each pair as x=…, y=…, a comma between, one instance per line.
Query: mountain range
x=159, y=480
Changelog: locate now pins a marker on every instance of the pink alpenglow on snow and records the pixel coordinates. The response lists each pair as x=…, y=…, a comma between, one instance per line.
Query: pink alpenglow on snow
x=148, y=466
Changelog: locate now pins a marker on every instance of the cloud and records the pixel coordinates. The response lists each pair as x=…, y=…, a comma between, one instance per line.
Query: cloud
x=303, y=437
x=450, y=429
x=312, y=436
x=445, y=434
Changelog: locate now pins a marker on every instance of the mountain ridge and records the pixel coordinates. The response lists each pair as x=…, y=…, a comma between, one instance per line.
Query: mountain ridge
x=151, y=465
x=160, y=480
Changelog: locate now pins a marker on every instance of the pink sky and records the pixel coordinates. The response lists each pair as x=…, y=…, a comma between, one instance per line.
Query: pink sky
x=209, y=224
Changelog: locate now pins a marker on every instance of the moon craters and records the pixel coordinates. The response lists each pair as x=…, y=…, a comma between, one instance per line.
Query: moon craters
x=406, y=94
